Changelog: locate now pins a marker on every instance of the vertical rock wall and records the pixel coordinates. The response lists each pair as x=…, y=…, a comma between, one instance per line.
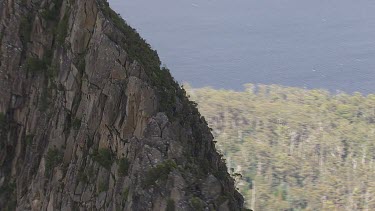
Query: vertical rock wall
x=89, y=121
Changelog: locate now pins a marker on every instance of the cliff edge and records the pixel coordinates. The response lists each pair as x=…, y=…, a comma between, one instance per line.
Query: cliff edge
x=89, y=120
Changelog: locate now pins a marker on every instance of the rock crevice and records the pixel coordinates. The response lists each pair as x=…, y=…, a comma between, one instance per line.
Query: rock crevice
x=89, y=120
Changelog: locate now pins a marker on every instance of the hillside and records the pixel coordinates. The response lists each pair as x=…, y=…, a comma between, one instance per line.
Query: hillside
x=296, y=149
x=89, y=120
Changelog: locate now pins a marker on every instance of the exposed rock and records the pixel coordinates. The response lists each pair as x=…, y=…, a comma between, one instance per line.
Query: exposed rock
x=89, y=120
x=211, y=187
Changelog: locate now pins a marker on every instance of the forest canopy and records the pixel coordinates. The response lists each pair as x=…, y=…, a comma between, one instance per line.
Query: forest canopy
x=293, y=149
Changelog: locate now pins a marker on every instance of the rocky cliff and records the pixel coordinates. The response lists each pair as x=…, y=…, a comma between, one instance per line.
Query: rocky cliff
x=89, y=120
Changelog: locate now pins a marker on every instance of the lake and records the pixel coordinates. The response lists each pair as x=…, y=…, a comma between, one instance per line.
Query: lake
x=326, y=44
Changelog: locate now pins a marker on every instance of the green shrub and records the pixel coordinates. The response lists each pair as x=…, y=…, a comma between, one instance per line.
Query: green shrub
x=53, y=158
x=81, y=63
x=75, y=206
x=3, y=122
x=11, y=205
x=160, y=172
x=62, y=29
x=35, y=65
x=45, y=99
x=51, y=72
x=196, y=204
x=221, y=199
x=85, y=175
x=29, y=139
x=136, y=46
x=139, y=50
x=8, y=190
x=103, y=186
x=25, y=30
x=125, y=195
x=82, y=176
x=47, y=57
x=170, y=205
x=52, y=13
x=123, y=167
x=3, y=130
x=76, y=102
x=90, y=172
x=47, y=14
x=76, y=124
x=103, y=157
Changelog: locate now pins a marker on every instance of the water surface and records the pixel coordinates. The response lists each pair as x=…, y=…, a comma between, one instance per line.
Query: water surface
x=326, y=44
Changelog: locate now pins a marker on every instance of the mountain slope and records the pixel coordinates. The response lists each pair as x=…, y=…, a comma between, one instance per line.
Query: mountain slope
x=89, y=120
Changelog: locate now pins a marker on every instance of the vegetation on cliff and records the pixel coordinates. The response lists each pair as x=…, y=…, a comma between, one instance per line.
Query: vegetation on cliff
x=296, y=149
x=139, y=50
x=95, y=114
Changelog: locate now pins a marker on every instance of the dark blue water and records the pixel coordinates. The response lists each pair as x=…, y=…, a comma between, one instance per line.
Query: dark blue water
x=326, y=44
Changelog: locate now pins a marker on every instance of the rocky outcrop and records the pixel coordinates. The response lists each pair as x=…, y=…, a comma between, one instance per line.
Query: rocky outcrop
x=89, y=120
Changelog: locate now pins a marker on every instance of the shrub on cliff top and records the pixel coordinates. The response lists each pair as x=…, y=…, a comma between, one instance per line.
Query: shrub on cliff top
x=139, y=50
x=136, y=47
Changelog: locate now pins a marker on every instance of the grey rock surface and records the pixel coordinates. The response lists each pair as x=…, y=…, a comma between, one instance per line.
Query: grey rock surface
x=87, y=124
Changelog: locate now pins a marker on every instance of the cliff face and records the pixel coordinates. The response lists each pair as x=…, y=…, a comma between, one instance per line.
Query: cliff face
x=89, y=120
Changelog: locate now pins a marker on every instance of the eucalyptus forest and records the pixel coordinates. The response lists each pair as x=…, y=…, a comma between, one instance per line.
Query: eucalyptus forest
x=293, y=149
